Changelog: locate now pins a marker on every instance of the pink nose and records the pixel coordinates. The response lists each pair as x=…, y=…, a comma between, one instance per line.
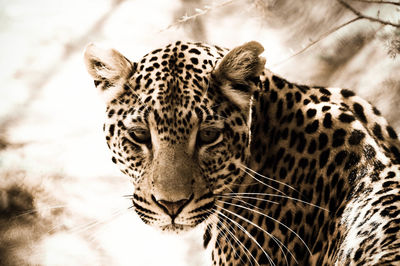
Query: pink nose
x=172, y=208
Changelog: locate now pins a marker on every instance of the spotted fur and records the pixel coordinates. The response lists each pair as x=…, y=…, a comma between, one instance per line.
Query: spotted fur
x=278, y=173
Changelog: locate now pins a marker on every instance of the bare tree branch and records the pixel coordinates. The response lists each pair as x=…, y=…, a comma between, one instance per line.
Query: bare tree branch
x=198, y=12
x=379, y=2
x=362, y=16
x=323, y=36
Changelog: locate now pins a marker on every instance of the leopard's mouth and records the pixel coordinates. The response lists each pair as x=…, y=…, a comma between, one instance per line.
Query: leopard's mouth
x=176, y=228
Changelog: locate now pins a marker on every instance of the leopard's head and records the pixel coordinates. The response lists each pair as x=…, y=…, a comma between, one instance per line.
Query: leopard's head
x=178, y=124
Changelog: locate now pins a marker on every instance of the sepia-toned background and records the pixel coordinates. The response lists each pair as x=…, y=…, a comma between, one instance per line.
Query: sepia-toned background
x=61, y=198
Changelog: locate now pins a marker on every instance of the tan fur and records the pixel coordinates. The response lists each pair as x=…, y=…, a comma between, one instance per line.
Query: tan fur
x=237, y=68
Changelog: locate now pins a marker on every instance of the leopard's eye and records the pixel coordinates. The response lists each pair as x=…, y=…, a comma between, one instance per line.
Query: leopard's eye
x=208, y=135
x=140, y=135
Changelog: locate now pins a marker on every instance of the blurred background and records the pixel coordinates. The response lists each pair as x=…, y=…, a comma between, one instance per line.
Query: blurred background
x=61, y=198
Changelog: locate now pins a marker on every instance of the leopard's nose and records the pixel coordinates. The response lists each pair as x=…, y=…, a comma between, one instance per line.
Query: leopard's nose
x=172, y=208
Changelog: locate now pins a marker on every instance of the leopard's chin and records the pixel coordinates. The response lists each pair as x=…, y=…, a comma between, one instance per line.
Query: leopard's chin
x=175, y=228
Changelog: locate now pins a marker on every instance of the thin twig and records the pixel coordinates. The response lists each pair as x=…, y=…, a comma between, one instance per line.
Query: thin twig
x=199, y=12
x=323, y=36
x=379, y=2
x=326, y=34
x=362, y=16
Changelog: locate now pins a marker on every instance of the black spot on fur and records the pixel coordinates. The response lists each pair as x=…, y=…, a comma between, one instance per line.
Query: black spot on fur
x=346, y=118
x=347, y=93
x=326, y=108
x=353, y=159
x=377, y=131
x=391, y=132
x=324, y=91
x=323, y=158
x=359, y=110
x=340, y=156
x=356, y=137
x=312, y=127
x=311, y=113
x=376, y=111
x=312, y=147
x=273, y=96
x=278, y=82
x=194, y=51
x=369, y=152
x=327, y=120
x=299, y=117
x=338, y=137
x=323, y=140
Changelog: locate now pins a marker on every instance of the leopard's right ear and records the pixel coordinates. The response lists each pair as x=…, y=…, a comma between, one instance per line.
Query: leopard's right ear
x=235, y=72
x=109, y=69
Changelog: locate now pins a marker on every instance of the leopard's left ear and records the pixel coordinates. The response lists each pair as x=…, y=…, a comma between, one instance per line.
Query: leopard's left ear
x=237, y=70
x=109, y=69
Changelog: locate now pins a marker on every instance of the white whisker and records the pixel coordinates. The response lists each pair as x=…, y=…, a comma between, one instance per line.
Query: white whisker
x=279, y=196
x=261, y=182
x=269, y=217
x=240, y=244
x=268, y=178
x=275, y=239
x=247, y=197
x=247, y=233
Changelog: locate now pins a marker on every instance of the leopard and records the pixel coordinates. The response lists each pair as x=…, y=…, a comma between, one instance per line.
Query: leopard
x=272, y=172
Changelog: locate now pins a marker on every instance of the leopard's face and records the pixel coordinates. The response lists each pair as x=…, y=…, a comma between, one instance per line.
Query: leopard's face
x=178, y=126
